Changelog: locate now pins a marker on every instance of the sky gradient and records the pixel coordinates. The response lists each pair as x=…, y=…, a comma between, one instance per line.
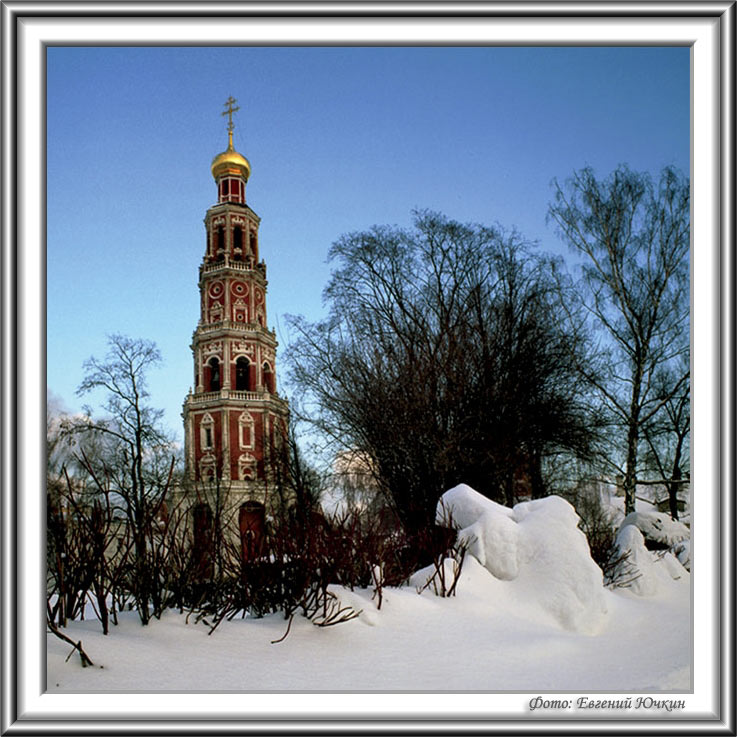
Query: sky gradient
x=339, y=139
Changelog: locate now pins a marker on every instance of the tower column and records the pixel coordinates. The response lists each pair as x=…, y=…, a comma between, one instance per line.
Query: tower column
x=231, y=328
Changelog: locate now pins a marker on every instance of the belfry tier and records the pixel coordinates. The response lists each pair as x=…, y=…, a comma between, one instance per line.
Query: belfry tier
x=234, y=420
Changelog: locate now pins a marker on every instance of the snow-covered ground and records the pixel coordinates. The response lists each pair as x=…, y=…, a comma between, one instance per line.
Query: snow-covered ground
x=534, y=619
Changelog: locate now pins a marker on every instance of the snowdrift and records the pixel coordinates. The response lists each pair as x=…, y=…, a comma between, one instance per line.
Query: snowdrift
x=537, y=548
x=658, y=528
x=650, y=572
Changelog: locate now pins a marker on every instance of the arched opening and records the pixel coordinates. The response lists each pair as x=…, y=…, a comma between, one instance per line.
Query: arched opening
x=242, y=375
x=252, y=525
x=268, y=375
x=219, y=253
x=214, y=375
x=237, y=243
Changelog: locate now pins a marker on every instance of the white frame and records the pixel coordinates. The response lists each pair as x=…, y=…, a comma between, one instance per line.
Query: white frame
x=707, y=28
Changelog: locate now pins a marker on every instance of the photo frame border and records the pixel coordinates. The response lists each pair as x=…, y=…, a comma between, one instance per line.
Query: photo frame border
x=23, y=274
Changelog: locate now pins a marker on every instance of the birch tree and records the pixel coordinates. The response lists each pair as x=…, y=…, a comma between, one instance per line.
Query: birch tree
x=633, y=235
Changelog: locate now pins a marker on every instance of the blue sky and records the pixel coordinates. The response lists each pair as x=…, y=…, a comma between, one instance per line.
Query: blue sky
x=339, y=139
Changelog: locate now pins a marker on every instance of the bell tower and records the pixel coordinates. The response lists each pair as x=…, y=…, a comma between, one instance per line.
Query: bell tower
x=234, y=420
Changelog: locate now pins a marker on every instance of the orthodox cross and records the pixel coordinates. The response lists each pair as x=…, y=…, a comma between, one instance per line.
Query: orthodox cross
x=229, y=112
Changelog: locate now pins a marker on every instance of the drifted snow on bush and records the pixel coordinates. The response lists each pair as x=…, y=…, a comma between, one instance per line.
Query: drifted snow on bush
x=641, y=578
x=647, y=572
x=682, y=551
x=537, y=547
x=658, y=528
x=486, y=527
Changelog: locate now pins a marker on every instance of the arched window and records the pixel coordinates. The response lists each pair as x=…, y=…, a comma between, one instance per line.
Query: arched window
x=268, y=375
x=214, y=375
x=237, y=242
x=220, y=243
x=242, y=375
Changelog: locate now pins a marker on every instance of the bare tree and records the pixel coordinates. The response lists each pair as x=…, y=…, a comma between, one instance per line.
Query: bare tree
x=136, y=461
x=444, y=360
x=634, y=237
x=668, y=433
x=298, y=485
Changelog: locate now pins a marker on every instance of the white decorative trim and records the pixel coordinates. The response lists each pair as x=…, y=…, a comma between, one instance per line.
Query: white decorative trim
x=246, y=425
x=189, y=442
x=240, y=311
x=208, y=467
x=207, y=439
x=225, y=419
x=240, y=348
x=215, y=289
x=214, y=348
x=216, y=312
x=246, y=467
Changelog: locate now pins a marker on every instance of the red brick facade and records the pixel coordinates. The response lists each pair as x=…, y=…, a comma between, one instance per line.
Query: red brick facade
x=234, y=418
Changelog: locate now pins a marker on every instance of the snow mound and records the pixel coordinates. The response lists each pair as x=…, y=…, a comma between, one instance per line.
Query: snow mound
x=538, y=548
x=658, y=528
x=466, y=505
x=675, y=568
x=640, y=562
x=682, y=551
x=428, y=577
x=354, y=601
x=486, y=527
x=557, y=564
x=649, y=572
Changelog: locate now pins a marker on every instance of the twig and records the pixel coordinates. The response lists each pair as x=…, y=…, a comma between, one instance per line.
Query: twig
x=457, y=567
x=76, y=645
x=284, y=636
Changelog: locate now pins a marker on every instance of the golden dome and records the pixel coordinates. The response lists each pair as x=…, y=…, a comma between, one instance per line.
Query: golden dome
x=230, y=162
